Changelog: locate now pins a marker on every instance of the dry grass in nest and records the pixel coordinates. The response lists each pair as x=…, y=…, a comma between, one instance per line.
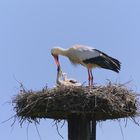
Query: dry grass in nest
x=102, y=102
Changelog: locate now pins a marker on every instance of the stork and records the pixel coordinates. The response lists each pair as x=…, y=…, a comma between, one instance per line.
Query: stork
x=88, y=57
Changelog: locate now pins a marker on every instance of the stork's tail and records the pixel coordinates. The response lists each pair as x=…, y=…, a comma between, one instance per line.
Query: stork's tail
x=110, y=63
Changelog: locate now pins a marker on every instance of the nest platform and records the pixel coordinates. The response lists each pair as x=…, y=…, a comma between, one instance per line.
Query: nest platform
x=99, y=102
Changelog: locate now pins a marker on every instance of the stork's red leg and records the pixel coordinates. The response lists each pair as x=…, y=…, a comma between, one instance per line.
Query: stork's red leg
x=91, y=77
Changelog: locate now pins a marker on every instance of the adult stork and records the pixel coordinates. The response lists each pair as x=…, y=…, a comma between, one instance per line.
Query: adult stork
x=88, y=57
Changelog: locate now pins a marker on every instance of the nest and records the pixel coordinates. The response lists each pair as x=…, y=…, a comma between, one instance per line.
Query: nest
x=100, y=103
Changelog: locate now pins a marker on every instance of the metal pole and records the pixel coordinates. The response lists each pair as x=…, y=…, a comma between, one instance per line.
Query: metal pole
x=93, y=130
x=78, y=128
x=93, y=124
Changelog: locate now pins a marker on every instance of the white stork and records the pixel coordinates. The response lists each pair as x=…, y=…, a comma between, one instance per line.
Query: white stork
x=88, y=57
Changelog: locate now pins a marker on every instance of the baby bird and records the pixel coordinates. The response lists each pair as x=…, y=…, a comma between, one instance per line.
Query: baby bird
x=63, y=80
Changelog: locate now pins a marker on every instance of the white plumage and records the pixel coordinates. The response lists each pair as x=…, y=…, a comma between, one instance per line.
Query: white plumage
x=88, y=57
x=63, y=80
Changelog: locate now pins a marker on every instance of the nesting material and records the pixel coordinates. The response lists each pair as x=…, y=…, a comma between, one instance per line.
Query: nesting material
x=100, y=102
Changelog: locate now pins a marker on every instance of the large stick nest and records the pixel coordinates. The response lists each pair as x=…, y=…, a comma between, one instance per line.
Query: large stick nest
x=100, y=102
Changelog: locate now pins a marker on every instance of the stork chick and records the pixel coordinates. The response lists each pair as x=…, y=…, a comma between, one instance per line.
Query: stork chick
x=63, y=80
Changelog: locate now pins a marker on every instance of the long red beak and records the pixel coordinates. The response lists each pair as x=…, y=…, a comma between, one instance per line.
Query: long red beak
x=56, y=60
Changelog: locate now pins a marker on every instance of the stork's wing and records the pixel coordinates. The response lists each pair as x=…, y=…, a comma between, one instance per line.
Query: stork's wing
x=104, y=61
x=73, y=81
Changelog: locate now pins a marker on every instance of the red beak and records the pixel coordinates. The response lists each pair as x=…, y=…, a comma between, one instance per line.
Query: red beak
x=56, y=60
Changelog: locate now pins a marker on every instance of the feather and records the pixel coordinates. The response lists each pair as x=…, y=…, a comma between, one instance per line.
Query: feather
x=104, y=61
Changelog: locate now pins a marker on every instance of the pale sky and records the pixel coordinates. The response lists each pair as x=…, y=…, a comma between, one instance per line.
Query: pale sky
x=28, y=31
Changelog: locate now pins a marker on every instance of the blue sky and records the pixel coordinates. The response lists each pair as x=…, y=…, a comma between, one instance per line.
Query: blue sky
x=30, y=28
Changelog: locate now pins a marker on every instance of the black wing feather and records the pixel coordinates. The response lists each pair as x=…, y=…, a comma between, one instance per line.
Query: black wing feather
x=104, y=61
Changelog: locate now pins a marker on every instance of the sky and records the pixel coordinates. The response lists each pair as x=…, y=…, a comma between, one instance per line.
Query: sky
x=28, y=31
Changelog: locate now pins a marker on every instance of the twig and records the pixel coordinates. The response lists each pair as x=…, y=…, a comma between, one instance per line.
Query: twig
x=57, y=128
x=8, y=119
x=27, y=131
x=38, y=131
x=121, y=130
